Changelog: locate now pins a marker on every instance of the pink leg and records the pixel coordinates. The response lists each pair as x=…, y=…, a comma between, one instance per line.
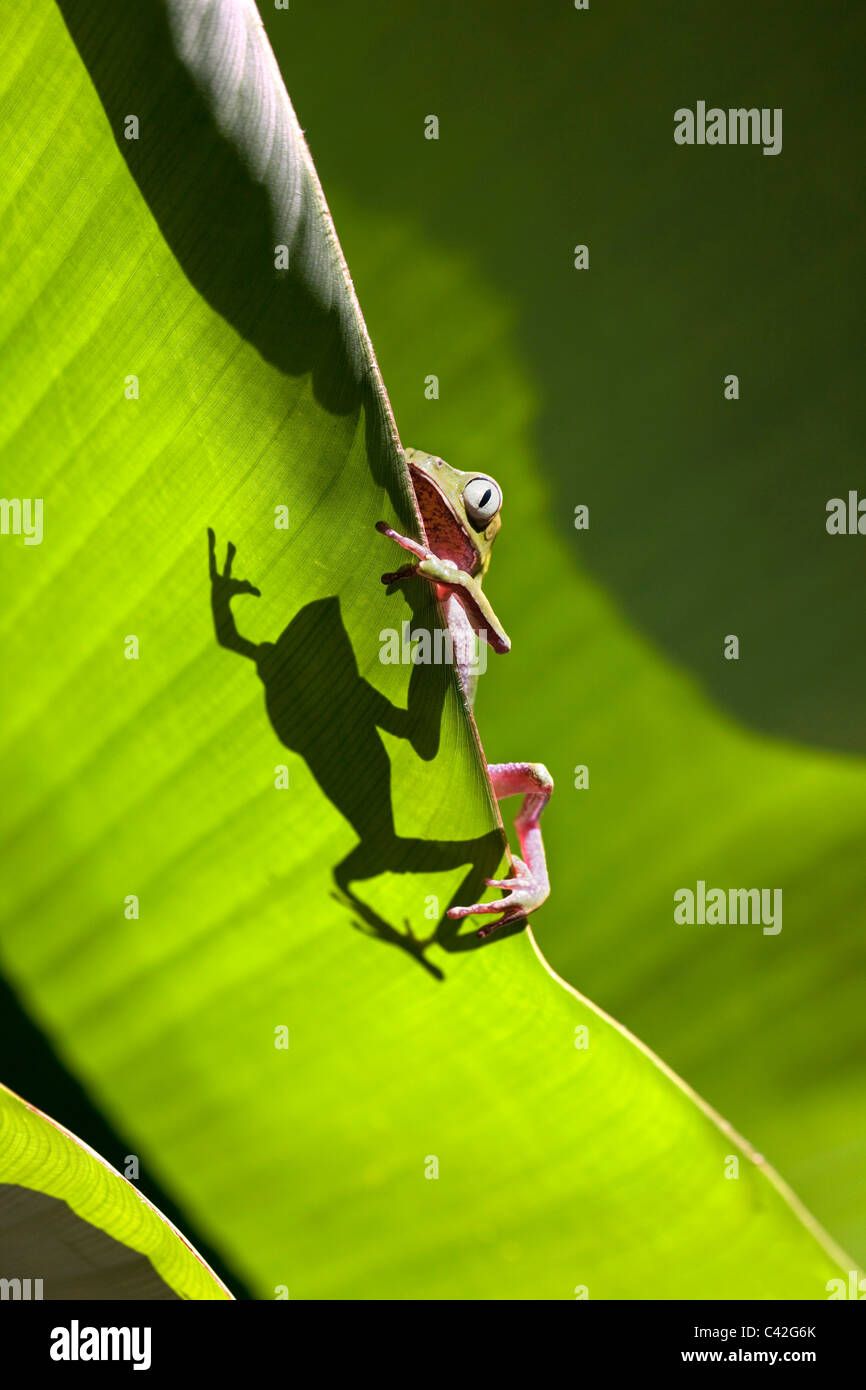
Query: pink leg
x=529, y=886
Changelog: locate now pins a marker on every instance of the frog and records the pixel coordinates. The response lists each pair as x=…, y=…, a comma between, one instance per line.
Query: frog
x=461, y=515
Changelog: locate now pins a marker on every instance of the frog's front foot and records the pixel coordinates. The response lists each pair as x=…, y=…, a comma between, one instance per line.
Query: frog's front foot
x=429, y=565
x=406, y=542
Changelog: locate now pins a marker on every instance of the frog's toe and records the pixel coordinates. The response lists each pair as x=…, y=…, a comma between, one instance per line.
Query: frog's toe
x=476, y=907
x=491, y=927
x=415, y=547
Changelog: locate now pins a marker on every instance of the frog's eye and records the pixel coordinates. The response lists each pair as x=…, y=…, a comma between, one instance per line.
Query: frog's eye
x=482, y=500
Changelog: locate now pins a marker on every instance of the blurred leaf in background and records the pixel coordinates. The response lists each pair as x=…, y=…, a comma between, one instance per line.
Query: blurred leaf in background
x=76, y=1229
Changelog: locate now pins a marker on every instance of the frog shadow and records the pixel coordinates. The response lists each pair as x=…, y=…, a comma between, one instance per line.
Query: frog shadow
x=323, y=709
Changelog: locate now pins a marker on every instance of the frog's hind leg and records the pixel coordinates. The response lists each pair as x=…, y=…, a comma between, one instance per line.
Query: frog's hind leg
x=529, y=886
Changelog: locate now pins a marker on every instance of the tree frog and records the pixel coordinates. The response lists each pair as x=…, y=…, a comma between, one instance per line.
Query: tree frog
x=461, y=515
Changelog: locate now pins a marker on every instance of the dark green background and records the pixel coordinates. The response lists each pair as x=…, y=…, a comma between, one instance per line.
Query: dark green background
x=557, y=128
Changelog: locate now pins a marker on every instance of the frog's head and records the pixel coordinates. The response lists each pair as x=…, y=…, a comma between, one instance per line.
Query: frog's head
x=460, y=510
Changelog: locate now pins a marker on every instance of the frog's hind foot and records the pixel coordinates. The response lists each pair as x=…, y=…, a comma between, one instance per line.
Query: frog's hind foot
x=529, y=885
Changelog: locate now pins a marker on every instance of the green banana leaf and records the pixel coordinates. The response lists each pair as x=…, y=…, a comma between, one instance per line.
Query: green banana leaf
x=232, y=859
x=72, y=1228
